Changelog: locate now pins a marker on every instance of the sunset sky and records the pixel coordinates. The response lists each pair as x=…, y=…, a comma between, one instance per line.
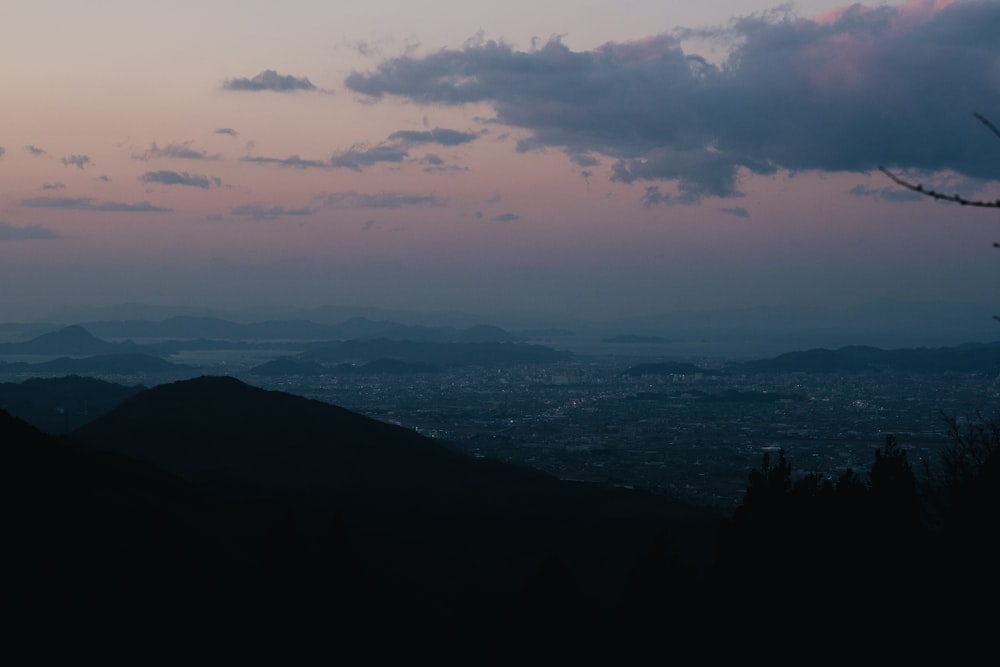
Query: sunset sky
x=588, y=159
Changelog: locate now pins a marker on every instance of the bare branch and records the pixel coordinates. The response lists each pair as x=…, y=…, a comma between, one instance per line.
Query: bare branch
x=958, y=199
x=985, y=121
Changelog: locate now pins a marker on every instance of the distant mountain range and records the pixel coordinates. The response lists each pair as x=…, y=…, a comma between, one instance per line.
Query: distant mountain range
x=970, y=357
x=188, y=327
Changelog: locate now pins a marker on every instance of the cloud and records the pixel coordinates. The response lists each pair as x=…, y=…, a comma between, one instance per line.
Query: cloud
x=653, y=196
x=88, y=204
x=53, y=186
x=737, y=211
x=506, y=217
x=182, y=178
x=270, y=80
x=359, y=158
x=863, y=86
x=182, y=151
x=226, y=130
x=434, y=163
x=380, y=200
x=78, y=161
x=264, y=212
x=291, y=161
x=34, y=150
x=438, y=135
x=2, y=151
x=10, y=232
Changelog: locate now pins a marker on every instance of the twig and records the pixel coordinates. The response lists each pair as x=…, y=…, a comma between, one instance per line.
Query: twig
x=985, y=121
x=958, y=199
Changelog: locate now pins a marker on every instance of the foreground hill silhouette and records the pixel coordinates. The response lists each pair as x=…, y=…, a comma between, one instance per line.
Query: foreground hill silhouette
x=449, y=532
x=270, y=521
x=58, y=405
x=105, y=553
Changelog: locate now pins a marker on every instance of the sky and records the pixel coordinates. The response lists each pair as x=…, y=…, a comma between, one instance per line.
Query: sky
x=590, y=159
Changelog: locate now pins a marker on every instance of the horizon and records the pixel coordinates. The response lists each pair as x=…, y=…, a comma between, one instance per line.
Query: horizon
x=619, y=160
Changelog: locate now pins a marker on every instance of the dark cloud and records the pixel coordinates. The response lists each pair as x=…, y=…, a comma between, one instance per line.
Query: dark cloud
x=106, y=179
x=737, y=211
x=291, y=161
x=270, y=80
x=653, y=196
x=438, y=135
x=359, y=158
x=88, y=204
x=10, y=232
x=182, y=151
x=435, y=164
x=53, y=186
x=505, y=217
x=78, y=161
x=227, y=130
x=2, y=151
x=264, y=212
x=34, y=150
x=584, y=159
x=380, y=200
x=890, y=85
x=182, y=178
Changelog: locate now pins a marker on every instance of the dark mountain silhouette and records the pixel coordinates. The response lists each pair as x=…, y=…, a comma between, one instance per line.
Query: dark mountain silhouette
x=97, y=543
x=483, y=333
x=442, y=533
x=287, y=366
x=209, y=509
x=72, y=340
x=185, y=328
x=441, y=354
x=57, y=405
x=218, y=428
x=809, y=361
x=129, y=363
x=970, y=357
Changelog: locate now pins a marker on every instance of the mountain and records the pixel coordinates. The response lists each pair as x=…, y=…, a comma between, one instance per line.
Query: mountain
x=57, y=405
x=73, y=340
x=436, y=353
x=459, y=549
x=969, y=357
x=220, y=431
x=184, y=327
x=116, y=555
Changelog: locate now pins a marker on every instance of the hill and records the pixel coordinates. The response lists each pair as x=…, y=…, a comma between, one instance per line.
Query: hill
x=445, y=533
x=969, y=357
x=71, y=341
x=57, y=405
x=222, y=431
